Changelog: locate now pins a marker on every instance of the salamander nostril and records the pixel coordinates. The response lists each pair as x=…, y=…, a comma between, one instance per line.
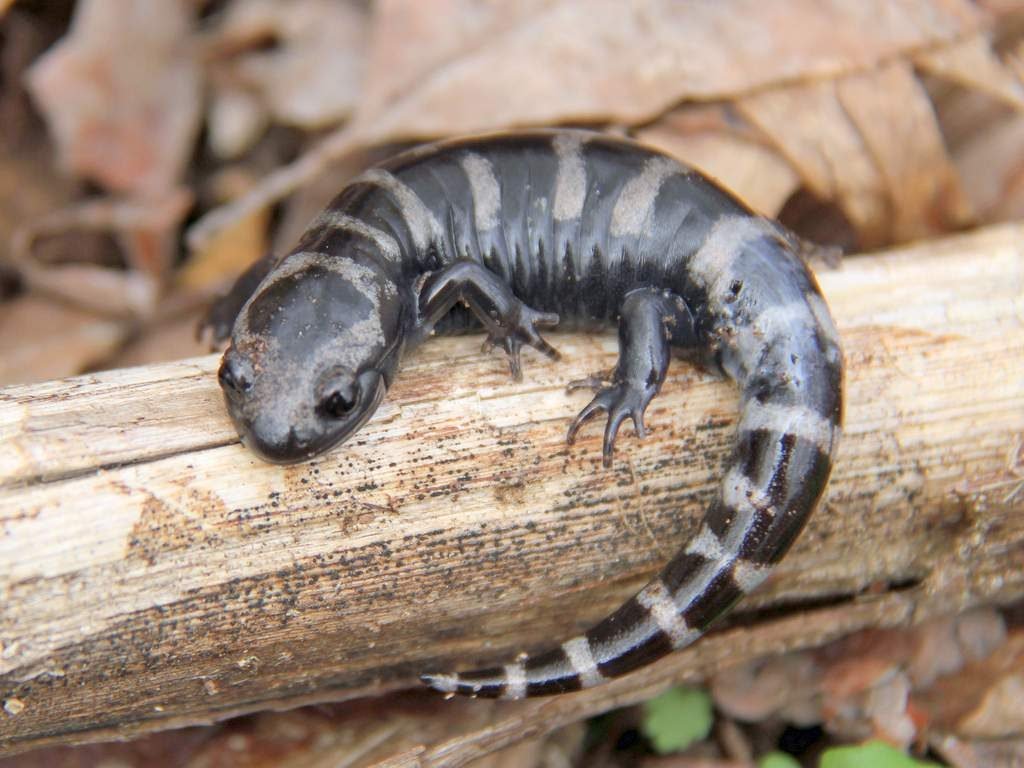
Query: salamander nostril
x=234, y=374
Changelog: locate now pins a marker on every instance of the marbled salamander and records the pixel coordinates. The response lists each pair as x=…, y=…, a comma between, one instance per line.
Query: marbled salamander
x=539, y=229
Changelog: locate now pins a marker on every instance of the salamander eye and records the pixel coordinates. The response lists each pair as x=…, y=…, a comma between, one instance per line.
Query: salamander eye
x=339, y=402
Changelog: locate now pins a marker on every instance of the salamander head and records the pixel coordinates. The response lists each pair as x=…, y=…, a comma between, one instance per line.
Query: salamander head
x=311, y=356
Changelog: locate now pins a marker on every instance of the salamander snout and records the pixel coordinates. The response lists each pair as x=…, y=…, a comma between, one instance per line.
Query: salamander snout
x=235, y=374
x=287, y=419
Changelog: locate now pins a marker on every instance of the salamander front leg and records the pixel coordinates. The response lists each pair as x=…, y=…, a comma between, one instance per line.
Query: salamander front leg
x=509, y=322
x=220, y=319
x=651, y=322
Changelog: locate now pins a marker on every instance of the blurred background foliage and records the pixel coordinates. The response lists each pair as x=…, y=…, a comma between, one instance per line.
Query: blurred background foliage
x=151, y=149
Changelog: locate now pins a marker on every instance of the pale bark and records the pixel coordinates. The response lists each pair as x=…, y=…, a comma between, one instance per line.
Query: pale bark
x=154, y=573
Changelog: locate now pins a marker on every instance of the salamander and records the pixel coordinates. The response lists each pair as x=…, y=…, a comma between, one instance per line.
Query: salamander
x=528, y=231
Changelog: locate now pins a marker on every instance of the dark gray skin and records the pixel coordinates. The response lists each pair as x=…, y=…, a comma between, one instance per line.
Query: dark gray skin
x=527, y=231
x=329, y=376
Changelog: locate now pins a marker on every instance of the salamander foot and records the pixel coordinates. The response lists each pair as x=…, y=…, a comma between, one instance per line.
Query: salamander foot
x=620, y=401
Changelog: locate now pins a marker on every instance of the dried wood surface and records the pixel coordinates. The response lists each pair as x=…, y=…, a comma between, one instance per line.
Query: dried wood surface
x=153, y=573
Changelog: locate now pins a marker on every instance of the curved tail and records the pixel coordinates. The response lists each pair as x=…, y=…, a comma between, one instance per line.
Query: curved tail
x=791, y=406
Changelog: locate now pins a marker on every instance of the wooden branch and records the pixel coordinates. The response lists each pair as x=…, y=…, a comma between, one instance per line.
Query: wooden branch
x=153, y=573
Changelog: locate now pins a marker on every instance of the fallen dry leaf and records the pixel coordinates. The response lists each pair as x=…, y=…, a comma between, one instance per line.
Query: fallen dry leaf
x=991, y=166
x=963, y=112
x=986, y=141
x=973, y=64
x=111, y=293
x=1002, y=6
x=147, y=229
x=893, y=114
x=121, y=93
x=455, y=66
x=736, y=155
x=984, y=699
x=871, y=142
x=172, y=340
x=41, y=339
x=29, y=187
x=502, y=65
x=755, y=692
x=1000, y=714
x=22, y=40
x=885, y=683
x=235, y=120
x=937, y=653
x=313, y=73
x=233, y=249
x=960, y=753
x=811, y=129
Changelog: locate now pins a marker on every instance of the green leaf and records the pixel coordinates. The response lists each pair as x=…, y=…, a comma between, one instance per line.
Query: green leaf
x=874, y=754
x=778, y=760
x=676, y=719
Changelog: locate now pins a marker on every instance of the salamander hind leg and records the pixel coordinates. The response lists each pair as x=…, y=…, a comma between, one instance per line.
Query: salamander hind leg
x=509, y=322
x=651, y=321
